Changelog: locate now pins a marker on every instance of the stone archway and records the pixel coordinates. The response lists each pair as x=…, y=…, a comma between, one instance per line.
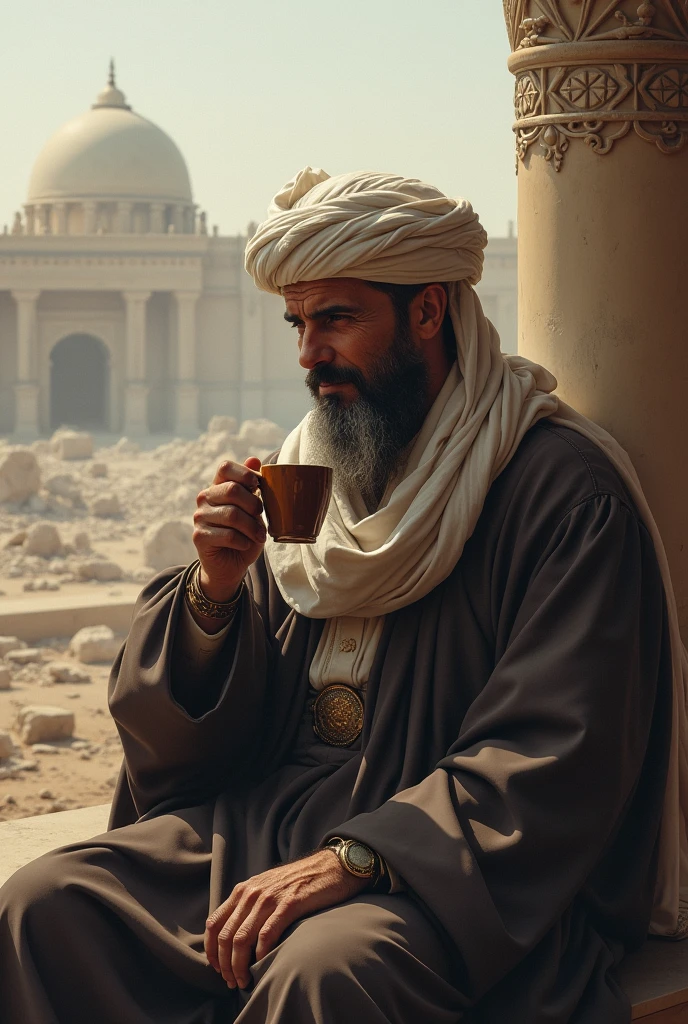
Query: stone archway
x=80, y=383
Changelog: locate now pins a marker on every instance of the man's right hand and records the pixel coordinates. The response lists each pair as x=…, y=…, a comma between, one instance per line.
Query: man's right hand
x=229, y=532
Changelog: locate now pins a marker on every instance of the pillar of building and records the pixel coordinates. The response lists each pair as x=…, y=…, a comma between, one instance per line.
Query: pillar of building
x=136, y=386
x=186, y=412
x=30, y=217
x=124, y=212
x=26, y=385
x=157, y=218
x=252, y=393
x=601, y=131
x=90, y=211
x=60, y=218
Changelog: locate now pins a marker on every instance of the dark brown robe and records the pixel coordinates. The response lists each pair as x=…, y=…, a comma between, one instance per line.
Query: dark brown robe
x=511, y=770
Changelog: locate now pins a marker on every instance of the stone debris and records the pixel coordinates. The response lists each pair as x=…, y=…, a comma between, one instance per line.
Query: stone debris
x=6, y=745
x=42, y=539
x=126, y=447
x=44, y=748
x=64, y=485
x=14, y=766
x=41, y=723
x=99, y=569
x=106, y=506
x=64, y=672
x=10, y=643
x=223, y=424
x=46, y=794
x=72, y=444
x=25, y=656
x=8, y=800
x=262, y=433
x=168, y=543
x=33, y=585
x=80, y=745
x=97, y=469
x=56, y=805
x=5, y=678
x=93, y=644
x=81, y=542
x=20, y=476
x=16, y=540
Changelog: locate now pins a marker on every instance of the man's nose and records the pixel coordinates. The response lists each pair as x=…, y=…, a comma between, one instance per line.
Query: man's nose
x=313, y=349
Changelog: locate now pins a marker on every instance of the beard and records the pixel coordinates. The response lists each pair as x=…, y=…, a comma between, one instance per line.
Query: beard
x=365, y=441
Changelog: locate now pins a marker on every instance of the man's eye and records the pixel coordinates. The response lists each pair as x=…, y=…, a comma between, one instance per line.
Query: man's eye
x=337, y=316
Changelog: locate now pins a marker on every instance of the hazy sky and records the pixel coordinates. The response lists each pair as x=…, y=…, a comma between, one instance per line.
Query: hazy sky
x=253, y=90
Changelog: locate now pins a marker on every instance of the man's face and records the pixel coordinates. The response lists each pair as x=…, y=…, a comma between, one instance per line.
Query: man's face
x=368, y=377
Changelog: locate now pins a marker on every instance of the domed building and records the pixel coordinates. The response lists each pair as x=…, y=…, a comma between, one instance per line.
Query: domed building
x=118, y=311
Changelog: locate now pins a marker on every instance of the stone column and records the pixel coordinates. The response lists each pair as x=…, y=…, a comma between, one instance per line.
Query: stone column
x=252, y=394
x=89, y=218
x=157, y=218
x=26, y=386
x=124, y=211
x=60, y=218
x=30, y=216
x=136, y=387
x=601, y=131
x=186, y=419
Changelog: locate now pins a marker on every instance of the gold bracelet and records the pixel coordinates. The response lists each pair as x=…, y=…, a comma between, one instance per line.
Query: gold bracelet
x=202, y=605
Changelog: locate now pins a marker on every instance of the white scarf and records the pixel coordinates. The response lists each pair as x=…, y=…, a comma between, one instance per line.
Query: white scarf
x=385, y=228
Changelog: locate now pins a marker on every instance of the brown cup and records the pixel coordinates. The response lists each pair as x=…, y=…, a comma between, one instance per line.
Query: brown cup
x=296, y=499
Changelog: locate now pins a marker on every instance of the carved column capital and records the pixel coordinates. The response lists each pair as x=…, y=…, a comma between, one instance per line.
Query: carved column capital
x=595, y=70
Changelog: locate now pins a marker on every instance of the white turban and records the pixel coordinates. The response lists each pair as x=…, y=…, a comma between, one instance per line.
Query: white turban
x=375, y=227
x=386, y=228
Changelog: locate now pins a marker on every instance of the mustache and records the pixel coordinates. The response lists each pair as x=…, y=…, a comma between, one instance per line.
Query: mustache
x=323, y=373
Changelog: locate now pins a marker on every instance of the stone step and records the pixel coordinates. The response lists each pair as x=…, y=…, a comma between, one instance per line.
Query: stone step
x=54, y=616
x=656, y=977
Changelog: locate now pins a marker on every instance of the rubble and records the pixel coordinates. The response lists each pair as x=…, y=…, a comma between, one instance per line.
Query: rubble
x=42, y=539
x=168, y=543
x=5, y=678
x=26, y=656
x=106, y=506
x=10, y=643
x=223, y=424
x=16, y=540
x=97, y=469
x=81, y=541
x=20, y=476
x=72, y=444
x=93, y=644
x=6, y=745
x=64, y=672
x=64, y=485
x=99, y=569
x=262, y=433
x=40, y=723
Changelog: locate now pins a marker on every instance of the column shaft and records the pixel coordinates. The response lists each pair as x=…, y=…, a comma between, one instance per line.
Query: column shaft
x=136, y=388
x=26, y=387
x=187, y=387
x=601, y=130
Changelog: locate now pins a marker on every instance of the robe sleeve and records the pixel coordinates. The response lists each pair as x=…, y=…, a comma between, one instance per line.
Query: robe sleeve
x=186, y=734
x=513, y=822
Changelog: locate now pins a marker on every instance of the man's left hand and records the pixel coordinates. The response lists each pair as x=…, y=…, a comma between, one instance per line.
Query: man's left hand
x=260, y=909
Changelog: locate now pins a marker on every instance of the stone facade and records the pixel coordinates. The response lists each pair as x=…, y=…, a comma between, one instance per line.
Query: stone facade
x=120, y=313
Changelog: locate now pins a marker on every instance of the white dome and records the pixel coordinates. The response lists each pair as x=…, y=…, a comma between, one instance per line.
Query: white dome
x=110, y=152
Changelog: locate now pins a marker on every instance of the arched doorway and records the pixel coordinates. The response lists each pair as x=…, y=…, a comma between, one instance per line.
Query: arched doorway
x=80, y=383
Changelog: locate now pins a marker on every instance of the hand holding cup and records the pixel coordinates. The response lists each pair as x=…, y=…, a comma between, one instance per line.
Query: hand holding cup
x=229, y=532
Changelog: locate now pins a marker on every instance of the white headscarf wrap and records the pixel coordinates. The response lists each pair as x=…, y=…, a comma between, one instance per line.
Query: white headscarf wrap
x=386, y=228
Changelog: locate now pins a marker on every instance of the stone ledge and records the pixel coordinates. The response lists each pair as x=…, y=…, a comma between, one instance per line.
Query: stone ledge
x=655, y=978
x=43, y=617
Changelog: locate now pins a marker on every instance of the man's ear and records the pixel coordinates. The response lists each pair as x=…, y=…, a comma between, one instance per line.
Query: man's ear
x=427, y=311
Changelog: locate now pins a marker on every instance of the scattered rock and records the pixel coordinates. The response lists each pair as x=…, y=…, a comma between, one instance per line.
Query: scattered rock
x=97, y=469
x=19, y=475
x=24, y=656
x=262, y=433
x=111, y=781
x=44, y=748
x=80, y=745
x=16, y=540
x=168, y=543
x=40, y=723
x=37, y=503
x=106, y=506
x=57, y=805
x=126, y=447
x=46, y=794
x=220, y=424
x=84, y=756
x=63, y=672
x=33, y=585
x=81, y=541
x=10, y=643
x=72, y=444
x=99, y=569
x=7, y=800
x=42, y=539
x=144, y=574
x=63, y=485
x=93, y=644
x=6, y=745
x=5, y=678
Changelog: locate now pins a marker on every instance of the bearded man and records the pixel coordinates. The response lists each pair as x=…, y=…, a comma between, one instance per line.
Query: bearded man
x=490, y=595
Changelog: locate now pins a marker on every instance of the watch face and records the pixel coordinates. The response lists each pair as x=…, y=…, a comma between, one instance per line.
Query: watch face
x=360, y=858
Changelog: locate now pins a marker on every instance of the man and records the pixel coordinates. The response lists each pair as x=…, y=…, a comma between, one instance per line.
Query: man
x=465, y=686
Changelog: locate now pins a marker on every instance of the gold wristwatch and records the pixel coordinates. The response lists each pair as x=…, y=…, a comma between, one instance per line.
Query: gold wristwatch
x=357, y=858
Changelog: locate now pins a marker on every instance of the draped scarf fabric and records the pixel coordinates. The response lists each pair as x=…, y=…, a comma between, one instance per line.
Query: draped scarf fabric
x=386, y=228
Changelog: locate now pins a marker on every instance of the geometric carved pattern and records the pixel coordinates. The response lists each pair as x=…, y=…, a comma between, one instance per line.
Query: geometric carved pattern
x=593, y=70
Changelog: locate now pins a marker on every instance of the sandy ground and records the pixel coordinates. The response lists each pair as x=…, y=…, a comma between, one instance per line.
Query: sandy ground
x=76, y=773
